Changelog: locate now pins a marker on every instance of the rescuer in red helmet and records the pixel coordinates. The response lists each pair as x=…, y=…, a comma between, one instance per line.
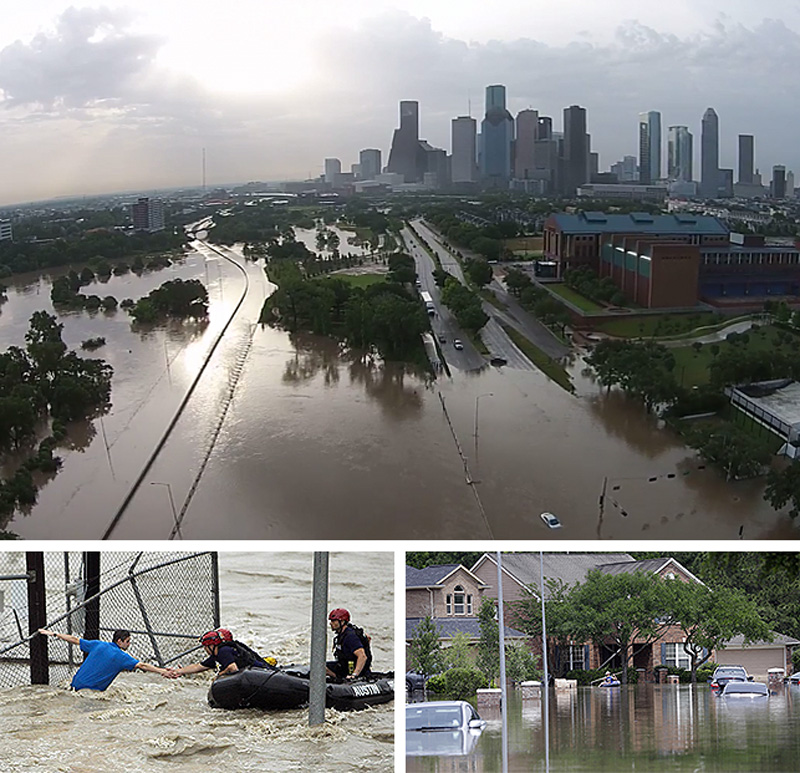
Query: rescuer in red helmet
x=223, y=651
x=351, y=648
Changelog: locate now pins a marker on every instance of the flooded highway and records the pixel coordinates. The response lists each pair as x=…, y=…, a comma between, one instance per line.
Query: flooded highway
x=287, y=437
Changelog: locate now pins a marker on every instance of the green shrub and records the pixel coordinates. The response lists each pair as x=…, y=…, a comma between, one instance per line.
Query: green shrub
x=706, y=671
x=458, y=684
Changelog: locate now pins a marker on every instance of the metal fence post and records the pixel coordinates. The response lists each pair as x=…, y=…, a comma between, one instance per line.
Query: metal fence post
x=319, y=636
x=37, y=617
x=91, y=575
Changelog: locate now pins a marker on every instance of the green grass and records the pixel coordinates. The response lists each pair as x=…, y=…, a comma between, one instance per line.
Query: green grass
x=691, y=367
x=359, y=280
x=545, y=363
x=576, y=299
x=658, y=324
x=490, y=297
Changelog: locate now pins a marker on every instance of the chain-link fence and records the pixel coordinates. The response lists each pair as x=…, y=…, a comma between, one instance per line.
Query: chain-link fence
x=164, y=599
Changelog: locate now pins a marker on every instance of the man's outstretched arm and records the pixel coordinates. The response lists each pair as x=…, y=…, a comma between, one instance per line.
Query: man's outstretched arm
x=63, y=636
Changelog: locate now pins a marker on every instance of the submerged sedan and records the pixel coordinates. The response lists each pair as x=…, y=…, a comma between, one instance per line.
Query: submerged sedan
x=726, y=674
x=442, y=729
x=745, y=690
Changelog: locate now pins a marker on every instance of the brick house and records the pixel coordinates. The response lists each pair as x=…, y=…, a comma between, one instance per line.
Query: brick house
x=521, y=571
x=451, y=595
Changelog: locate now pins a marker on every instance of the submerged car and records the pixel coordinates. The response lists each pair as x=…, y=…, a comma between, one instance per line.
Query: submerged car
x=551, y=521
x=442, y=729
x=746, y=690
x=795, y=678
x=415, y=681
x=726, y=674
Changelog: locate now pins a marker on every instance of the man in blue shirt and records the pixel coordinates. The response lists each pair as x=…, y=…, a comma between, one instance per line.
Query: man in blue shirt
x=351, y=648
x=104, y=660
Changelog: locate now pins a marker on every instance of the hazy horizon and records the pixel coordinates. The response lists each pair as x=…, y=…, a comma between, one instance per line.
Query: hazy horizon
x=97, y=99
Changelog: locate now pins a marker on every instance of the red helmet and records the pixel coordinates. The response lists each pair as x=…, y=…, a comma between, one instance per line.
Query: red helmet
x=339, y=614
x=225, y=634
x=211, y=638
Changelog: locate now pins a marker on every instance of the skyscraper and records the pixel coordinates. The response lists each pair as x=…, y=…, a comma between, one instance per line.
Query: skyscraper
x=778, y=181
x=404, y=156
x=463, y=155
x=679, y=154
x=370, y=162
x=576, y=149
x=525, y=144
x=649, y=147
x=148, y=214
x=746, y=158
x=709, y=154
x=497, y=134
x=333, y=166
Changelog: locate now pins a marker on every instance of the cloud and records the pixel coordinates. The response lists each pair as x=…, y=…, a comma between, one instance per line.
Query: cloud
x=89, y=57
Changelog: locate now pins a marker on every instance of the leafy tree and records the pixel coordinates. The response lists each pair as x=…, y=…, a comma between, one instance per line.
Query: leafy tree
x=420, y=560
x=489, y=642
x=708, y=618
x=459, y=653
x=783, y=487
x=424, y=651
x=479, y=271
x=736, y=452
x=521, y=663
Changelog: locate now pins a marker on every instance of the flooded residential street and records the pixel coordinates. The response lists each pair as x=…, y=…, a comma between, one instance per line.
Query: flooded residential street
x=291, y=439
x=649, y=728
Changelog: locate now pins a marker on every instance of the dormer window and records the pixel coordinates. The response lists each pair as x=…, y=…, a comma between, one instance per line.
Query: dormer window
x=458, y=600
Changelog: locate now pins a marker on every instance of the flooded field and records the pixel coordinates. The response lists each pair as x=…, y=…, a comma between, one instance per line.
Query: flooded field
x=145, y=723
x=648, y=728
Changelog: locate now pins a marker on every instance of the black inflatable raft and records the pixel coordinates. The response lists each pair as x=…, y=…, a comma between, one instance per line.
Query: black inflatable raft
x=287, y=688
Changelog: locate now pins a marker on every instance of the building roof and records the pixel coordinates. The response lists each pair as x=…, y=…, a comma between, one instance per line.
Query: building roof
x=449, y=626
x=778, y=640
x=639, y=222
x=780, y=399
x=434, y=575
x=572, y=568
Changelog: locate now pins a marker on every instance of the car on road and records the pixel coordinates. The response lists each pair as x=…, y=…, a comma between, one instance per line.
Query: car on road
x=550, y=520
x=457, y=344
x=723, y=675
x=442, y=339
x=498, y=361
x=747, y=690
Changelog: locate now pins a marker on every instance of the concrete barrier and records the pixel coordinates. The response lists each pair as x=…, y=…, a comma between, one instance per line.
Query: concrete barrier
x=489, y=698
x=566, y=684
x=530, y=690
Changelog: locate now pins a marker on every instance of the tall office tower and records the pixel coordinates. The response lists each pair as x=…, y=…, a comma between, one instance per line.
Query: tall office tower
x=544, y=130
x=333, y=166
x=497, y=134
x=679, y=154
x=627, y=171
x=404, y=156
x=576, y=149
x=649, y=147
x=369, y=160
x=778, y=182
x=746, y=159
x=525, y=148
x=464, y=149
x=148, y=214
x=790, y=185
x=709, y=154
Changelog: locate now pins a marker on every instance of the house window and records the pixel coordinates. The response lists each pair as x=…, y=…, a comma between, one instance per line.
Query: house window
x=469, y=604
x=675, y=655
x=458, y=600
x=449, y=604
x=575, y=657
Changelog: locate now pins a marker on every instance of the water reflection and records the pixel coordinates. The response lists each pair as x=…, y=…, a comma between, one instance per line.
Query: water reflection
x=643, y=728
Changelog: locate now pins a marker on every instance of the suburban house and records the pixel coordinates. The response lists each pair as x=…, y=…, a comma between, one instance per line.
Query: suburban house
x=451, y=596
x=521, y=572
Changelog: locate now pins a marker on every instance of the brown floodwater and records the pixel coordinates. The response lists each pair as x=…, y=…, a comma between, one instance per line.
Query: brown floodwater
x=284, y=437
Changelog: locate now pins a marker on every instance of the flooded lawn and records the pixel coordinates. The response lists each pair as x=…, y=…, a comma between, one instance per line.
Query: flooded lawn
x=637, y=728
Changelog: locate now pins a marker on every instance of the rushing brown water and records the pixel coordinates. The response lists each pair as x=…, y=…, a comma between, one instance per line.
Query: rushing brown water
x=316, y=445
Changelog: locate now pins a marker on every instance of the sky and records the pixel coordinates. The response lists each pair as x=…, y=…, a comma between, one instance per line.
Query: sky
x=124, y=97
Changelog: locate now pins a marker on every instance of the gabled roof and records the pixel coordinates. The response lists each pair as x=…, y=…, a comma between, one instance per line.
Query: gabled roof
x=779, y=640
x=432, y=576
x=572, y=568
x=449, y=626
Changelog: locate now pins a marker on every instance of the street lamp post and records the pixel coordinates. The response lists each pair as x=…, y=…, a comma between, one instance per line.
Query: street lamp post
x=171, y=504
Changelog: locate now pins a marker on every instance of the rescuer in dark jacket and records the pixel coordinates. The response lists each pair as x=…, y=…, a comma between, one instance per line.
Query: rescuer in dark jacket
x=351, y=648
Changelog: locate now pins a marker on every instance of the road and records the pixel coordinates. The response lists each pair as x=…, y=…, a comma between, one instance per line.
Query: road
x=494, y=337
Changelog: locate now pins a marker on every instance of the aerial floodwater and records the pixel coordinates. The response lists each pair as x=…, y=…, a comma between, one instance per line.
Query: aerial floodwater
x=284, y=436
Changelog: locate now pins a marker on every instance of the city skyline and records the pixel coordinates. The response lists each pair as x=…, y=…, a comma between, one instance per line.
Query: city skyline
x=104, y=99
